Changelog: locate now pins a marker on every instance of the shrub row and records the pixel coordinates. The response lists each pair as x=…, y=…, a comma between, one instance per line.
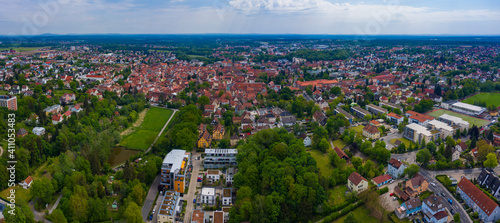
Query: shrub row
x=343, y=212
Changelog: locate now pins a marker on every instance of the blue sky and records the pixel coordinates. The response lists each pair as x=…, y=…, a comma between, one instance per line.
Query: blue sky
x=368, y=17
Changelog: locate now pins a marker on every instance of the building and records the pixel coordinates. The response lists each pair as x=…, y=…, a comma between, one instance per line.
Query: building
x=39, y=131
x=204, y=140
x=356, y=182
x=341, y=154
x=447, y=104
x=433, y=208
x=220, y=158
x=370, y=131
x=227, y=197
x=320, y=118
x=199, y=217
x=417, y=133
x=376, y=110
x=67, y=98
x=213, y=175
x=208, y=195
x=409, y=208
x=218, y=132
x=467, y=109
x=444, y=128
x=396, y=168
x=416, y=185
x=52, y=109
x=26, y=183
x=21, y=133
x=167, y=211
x=491, y=181
x=395, y=118
x=218, y=217
x=487, y=209
x=359, y=112
x=347, y=116
x=8, y=101
x=381, y=180
x=421, y=119
x=453, y=120
x=307, y=141
x=173, y=170
x=230, y=175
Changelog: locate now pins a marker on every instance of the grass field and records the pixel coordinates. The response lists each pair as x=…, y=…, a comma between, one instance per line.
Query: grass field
x=362, y=215
x=405, y=141
x=322, y=161
x=144, y=136
x=471, y=120
x=358, y=128
x=337, y=195
x=59, y=93
x=339, y=143
x=22, y=195
x=489, y=98
x=20, y=49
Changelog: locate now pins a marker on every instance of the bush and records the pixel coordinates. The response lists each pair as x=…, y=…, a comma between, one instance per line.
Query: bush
x=383, y=190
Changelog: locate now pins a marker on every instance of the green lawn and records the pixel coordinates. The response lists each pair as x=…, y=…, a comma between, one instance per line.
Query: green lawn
x=21, y=49
x=425, y=194
x=59, y=93
x=339, y=143
x=405, y=141
x=489, y=98
x=337, y=195
x=22, y=195
x=358, y=128
x=471, y=120
x=144, y=136
x=362, y=215
x=322, y=161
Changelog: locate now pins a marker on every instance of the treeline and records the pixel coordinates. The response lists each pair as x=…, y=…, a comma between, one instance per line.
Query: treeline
x=308, y=54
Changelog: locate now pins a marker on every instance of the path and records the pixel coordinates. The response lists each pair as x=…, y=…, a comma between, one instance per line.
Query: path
x=159, y=134
x=1, y=151
x=55, y=204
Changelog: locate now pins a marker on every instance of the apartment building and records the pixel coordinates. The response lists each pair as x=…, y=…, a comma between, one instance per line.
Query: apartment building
x=376, y=110
x=173, y=170
x=220, y=158
x=8, y=101
x=359, y=112
x=487, y=209
x=167, y=211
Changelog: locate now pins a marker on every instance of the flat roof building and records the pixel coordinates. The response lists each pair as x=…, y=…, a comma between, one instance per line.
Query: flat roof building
x=467, y=109
x=173, y=170
x=453, y=120
x=220, y=158
x=167, y=211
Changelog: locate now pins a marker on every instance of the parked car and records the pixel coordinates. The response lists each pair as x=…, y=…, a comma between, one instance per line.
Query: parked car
x=433, y=184
x=442, y=194
x=418, y=220
x=151, y=217
x=392, y=194
x=452, y=211
x=450, y=201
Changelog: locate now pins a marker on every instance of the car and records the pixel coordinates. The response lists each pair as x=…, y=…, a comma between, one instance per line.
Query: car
x=418, y=220
x=394, y=198
x=433, y=184
x=442, y=194
x=151, y=217
x=452, y=211
x=450, y=201
x=423, y=219
x=392, y=194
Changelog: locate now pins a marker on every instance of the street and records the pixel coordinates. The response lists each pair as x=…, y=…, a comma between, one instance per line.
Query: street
x=406, y=157
x=192, y=187
x=392, y=135
x=150, y=198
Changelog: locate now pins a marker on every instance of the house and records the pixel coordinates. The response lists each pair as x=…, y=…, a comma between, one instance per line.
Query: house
x=395, y=118
x=288, y=120
x=213, y=175
x=461, y=146
x=38, y=131
x=320, y=118
x=381, y=180
x=218, y=132
x=341, y=154
x=57, y=118
x=227, y=197
x=204, y=140
x=53, y=109
x=199, y=216
x=416, y=185
x=208, y=195
x=401, y=194
x=370, y=131
x=21, y=133
x=67, y=98
x=417, y=118
x=356, y=182
x=455, y=155
x=490, y=180
x=230, y=175
x=218, y=217
x=77, y=108
x=488, y=210
x=433, y=208
x=234, y=140
x=409, y=208
x=307, y=141
x=26, y=183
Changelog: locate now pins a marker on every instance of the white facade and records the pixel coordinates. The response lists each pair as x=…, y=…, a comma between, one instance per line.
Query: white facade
x=208, y=195
x=467, y=109
x=39, y=131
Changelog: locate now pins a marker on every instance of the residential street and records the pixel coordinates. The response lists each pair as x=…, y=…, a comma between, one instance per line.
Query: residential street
x=387, y=139
x=197, y=164
x=153, y=190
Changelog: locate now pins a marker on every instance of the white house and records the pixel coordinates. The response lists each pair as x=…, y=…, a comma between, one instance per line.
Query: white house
x=396, y=168
x=229, y=175
x=26, y=183
x=208, y=195
x=307, y=141
x=213, y=175
x=226, y=197
x=39, y=131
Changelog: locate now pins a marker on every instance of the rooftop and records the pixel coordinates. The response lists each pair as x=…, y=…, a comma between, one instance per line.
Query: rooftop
x=468, y=106
x=175, y=157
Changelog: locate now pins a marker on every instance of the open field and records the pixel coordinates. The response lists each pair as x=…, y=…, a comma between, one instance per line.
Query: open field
x=322, y=161
x=21, y=49
x=489, y=98
x=145, y=135
x=136, y=124
x=337, y=195
x=470, y=119
x=361, y=214
x=405, y=141
x=339, y=143
x=358, y=128
x=22, y=195
x=59, y=93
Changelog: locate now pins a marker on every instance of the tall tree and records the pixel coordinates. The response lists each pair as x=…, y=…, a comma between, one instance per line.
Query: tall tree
x=133, y=213
x=491, y=161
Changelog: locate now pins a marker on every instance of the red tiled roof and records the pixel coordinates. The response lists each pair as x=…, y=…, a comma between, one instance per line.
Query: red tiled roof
x=440, y=215
x=340, y=152
x=355, y=178
x=477, y=196
x=395, y=163
x=382, y=178
x=396, y=116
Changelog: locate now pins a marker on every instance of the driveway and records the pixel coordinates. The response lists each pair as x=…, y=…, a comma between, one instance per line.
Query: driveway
x=387, y=139
x=406, y=157
x=386, y=200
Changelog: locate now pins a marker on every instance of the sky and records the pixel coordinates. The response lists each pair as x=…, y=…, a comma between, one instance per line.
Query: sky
x=368, y=17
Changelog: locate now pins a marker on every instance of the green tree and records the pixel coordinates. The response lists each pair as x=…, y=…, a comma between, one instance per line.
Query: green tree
x=491, y=161
x=133, y=213
x=57, y=216
x=411, y=170
x=350, y=218
x=456, y=218
x=43, y=191
x=423, y=156
x=21, y=214
x=324, y=145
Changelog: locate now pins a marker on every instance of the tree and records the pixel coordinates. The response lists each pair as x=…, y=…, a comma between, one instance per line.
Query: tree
x=78, y=208
x=368, y=117
x=133, y=213
x=456, y=218
x=324, y=145
x=137, y=195
x=483, y=149
x=357, y=162
x=350, y=218
x=42, y=190
x=21, y=214
x=411, y=170
x=57, y=216
x=431, y=146
x=423, y=156
x=491, y=161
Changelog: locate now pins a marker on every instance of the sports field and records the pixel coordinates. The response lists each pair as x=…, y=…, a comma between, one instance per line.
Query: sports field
x=489, y=98
x=144, y=136
x=472, y=121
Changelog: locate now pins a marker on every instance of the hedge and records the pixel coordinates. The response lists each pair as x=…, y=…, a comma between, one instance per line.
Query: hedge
x=343, y=212
x=383, y=190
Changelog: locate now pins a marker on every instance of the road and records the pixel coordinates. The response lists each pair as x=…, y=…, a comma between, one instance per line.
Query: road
x=406, y=157
x=150, y=198
x=387, y=139
x=161, y=132
x=192, y=187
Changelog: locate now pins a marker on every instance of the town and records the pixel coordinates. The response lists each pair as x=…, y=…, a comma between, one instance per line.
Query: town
x=253, y=129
